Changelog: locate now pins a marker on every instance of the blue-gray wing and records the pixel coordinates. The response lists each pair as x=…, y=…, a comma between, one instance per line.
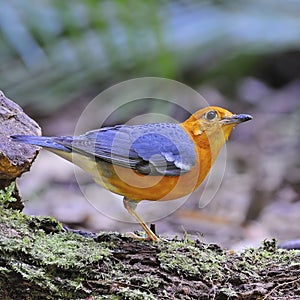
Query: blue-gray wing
x=156, y=149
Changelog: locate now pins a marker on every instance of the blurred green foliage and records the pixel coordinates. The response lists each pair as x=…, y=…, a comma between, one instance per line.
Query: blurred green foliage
x=53, y=51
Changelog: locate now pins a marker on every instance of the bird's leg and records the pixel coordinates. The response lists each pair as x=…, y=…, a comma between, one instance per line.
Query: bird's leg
x=130, y=205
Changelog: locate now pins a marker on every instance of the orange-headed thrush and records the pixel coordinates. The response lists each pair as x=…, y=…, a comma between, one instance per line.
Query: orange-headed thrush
x=156, y=161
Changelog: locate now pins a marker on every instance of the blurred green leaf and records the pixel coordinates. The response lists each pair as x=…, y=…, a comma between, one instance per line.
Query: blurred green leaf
x=51, y=51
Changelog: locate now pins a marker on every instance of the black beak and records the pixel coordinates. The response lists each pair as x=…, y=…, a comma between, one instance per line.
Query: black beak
x=236, y=119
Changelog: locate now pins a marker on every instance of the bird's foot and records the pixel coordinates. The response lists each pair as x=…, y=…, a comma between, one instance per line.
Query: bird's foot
x=142, y=238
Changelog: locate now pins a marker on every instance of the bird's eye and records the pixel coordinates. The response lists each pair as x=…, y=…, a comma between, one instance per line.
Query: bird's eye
x=210, y=115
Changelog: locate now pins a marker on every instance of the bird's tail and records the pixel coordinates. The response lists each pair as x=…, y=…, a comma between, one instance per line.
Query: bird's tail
x=41, y=141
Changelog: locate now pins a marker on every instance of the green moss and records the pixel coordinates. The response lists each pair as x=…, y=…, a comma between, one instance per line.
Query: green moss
x=192, y=260
x=6, y=196
x=228, y=293
x=127, y=293
x=62, y=251
x=40, y=260
x=255, y=261
x=151, y=282
x=37, y=250
x=60, y=264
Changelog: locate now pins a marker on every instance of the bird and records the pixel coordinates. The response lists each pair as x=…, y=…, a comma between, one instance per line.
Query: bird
x=154, y=161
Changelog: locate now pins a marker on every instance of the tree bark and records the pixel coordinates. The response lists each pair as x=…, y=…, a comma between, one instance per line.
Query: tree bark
x=14, y=159
x=40, y=259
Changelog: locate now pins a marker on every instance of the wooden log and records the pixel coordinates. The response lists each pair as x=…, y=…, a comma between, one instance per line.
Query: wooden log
x=15, y=159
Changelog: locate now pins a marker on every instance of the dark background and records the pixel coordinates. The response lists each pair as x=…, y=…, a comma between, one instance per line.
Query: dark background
x=56, y=56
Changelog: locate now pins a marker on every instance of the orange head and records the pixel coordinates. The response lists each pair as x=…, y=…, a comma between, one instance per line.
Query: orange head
x=212, y=119
x=210, y=128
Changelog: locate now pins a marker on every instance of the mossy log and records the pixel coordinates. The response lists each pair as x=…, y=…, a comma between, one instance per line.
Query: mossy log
x=40, y=259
